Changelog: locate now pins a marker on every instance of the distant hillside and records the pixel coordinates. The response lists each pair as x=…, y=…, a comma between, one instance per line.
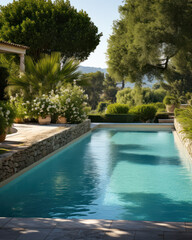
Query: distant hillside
x=146, y=83
x=92, y=69
x=104, y=70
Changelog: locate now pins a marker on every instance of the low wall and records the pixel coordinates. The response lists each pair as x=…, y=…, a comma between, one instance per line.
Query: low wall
x=21, y=159
x=186, y=141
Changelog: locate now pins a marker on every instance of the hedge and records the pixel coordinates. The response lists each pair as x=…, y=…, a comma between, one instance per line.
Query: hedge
x=123, y=118
x=114, y=118
x=96, y=118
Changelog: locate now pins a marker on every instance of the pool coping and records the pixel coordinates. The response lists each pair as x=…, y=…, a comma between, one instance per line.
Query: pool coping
x=40, y=223
x=159, y=126
x=51, y=229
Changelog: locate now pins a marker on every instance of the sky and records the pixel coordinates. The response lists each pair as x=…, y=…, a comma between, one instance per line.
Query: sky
x=102, y=13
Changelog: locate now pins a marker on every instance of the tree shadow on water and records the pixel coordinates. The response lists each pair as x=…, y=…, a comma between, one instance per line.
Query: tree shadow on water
x=132, y=147
x=155, y=207
x=135, y=157
x=148, y=159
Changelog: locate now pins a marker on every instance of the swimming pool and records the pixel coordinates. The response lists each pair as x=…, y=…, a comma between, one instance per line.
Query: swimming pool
x=109, y=174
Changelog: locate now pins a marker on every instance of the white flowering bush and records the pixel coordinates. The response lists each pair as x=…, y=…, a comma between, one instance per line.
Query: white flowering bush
x=7, y=116
x=72, y=101
x=69, y=102
x=43, y=106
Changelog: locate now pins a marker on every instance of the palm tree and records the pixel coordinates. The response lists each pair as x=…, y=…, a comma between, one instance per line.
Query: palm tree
x=45, y=75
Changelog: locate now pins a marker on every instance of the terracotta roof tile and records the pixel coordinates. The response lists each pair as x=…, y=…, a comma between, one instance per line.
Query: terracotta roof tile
x=14, y=44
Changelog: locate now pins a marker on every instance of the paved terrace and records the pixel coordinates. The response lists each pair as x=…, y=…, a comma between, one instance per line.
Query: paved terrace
x=28, y=134
x=58, y=229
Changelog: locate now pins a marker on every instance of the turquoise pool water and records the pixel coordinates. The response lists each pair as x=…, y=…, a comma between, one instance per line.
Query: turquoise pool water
x=110, y=174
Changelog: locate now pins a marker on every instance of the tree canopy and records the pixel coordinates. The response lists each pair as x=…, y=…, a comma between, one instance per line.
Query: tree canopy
x=138, y=96
x=109, y=88
x=151, y=38
x=47, y=26
x=94, y=87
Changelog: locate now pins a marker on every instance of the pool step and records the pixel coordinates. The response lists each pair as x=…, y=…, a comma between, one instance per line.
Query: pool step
x=166, y=120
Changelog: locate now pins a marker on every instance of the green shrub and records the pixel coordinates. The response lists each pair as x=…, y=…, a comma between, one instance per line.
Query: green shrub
x=123, y=118
x=7, y=116
x=102, y=106
x=178, y=112
x=170, y=100
x=182, y=100
x=159, y=105
x=161, y=110
x=184, y=116
x=117, y=108
x=145, y=112
x=87, y=109
x=18, y=104
x=190, y=102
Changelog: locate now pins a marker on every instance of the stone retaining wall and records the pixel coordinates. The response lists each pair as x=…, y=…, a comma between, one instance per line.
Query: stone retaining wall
x=21, y=159
x=186, y=141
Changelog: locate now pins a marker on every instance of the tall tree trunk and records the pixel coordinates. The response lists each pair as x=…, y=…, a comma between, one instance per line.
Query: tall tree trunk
x=123, y=84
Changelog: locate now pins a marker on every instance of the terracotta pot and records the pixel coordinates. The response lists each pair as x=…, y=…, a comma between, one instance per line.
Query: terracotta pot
x=62, y=119
x=18, y=120
x=170, y=108
x=44, y=121
x=3, y=136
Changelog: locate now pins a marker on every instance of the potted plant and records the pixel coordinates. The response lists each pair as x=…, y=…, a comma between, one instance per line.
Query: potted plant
x=171, y=103
x=7, y=116
x=42, y=108
x=72, y=102
x=62, y=111
x=58, y=99
x=61, y=119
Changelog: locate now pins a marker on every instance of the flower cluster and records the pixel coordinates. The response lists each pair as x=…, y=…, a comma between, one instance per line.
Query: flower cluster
x=43, y=106
x=68, y=102
x=7, y=116
x=72, y=101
